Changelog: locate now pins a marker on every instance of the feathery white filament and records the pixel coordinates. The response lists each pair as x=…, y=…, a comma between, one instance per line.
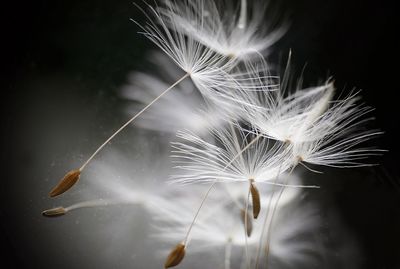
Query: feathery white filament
x=340, y=132
x=220, y=28
x=191, y=56
x=205, y=162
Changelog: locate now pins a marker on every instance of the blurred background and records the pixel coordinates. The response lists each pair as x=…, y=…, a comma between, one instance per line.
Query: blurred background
x=63, y=64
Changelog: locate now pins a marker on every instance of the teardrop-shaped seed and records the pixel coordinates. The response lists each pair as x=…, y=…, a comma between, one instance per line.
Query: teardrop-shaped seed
x=66, y=183
x=176, y=256
x=54, y=212
x=255, y=196
x=249, y=222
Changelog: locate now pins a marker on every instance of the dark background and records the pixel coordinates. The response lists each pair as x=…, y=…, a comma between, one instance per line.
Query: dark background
x=64, y=60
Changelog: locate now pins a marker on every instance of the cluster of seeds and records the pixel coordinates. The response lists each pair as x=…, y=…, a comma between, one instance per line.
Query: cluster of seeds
x=239, y=128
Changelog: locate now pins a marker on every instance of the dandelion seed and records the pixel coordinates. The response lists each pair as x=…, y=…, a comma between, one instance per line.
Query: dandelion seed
x=206, y=68
x=55, y=212
x=197, y=60
x=176, y=256
x=211, y=72
x=340, y=135
x=318, y=129
x=69, y=180
x=327, y=133
x=223, y=161
x=59, y=211
x=222, y=28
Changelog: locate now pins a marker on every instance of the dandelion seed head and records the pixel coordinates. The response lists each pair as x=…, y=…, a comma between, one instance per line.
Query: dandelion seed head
x=338, y=136
x=197, y=60
x=223, y=27
x=223, y=161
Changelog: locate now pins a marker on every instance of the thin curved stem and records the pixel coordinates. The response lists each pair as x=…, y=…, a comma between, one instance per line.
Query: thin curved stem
x=197, y=212
x=132, y=119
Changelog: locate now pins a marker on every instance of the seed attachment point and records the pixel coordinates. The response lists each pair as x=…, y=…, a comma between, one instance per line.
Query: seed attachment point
x=66, y=183
x=176, y=256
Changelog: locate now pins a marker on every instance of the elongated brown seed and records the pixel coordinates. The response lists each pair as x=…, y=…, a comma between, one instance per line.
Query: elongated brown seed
x=176, y=256
x=255, y=196
x=249, y=222
x=66, y=183
x=54, y=212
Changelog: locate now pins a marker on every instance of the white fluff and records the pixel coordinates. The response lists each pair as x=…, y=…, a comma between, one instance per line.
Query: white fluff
x=202, y=161
x=341, y=131
x=203, y=65
x=320, y=131
x=238, y=33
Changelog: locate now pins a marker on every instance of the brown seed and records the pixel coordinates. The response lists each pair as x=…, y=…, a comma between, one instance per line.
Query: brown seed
x=66, y=183
x=249, y=222
x=176, y=256
x=255, y=196
x=54, y=212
